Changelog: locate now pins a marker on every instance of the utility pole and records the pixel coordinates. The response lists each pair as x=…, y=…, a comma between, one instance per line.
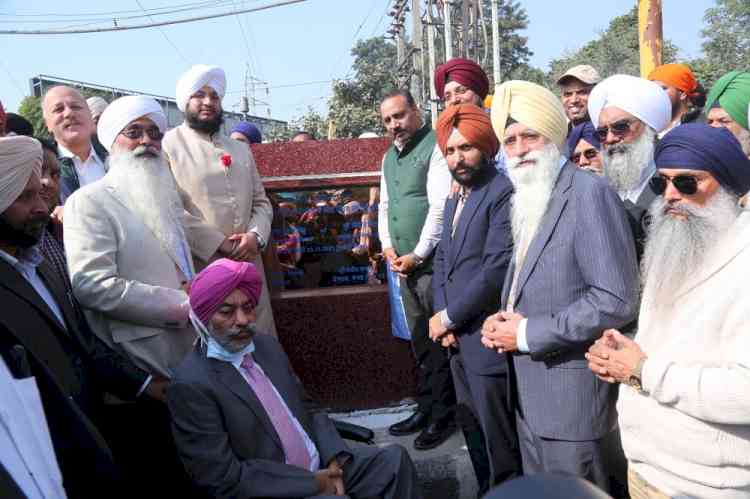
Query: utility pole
x=650, y=35
x=418, y=51
x=397, y=32
x=448, y=28
x=463, y=40
x=431, y=63
x=496, y=76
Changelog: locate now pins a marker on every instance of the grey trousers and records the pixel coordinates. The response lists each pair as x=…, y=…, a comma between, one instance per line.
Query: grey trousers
x=375, y=472
x=602, y=461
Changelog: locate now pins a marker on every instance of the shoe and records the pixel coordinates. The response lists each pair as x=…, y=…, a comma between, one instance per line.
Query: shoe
x=412, y=424
x=435, y=434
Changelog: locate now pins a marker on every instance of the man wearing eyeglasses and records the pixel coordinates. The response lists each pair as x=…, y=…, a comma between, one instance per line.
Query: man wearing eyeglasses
x=683, y=406
x=461, y=81
x=129, y=242
x=628, y=113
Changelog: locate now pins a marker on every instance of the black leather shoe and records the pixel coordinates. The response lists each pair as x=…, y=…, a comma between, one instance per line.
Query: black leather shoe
x=412, y=424
x=435, y=434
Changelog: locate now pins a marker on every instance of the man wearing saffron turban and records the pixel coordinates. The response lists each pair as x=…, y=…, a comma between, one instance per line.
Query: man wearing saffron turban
x=470, y=265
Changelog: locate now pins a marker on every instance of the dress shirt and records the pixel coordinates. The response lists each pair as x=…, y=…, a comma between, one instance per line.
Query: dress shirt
x=88, y=171
x=633, y=194
x=26, y=263
x=26, y=450
x=462, y=197
x=438, y=187
x=236, y=360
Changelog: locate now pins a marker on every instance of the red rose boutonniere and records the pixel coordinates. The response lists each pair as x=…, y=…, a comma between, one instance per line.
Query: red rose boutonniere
x=226, y=160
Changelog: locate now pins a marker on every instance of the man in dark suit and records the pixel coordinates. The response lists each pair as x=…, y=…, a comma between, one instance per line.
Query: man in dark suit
x=470, y=265
x=573, y=275
x=70, y=365
x=242, y=423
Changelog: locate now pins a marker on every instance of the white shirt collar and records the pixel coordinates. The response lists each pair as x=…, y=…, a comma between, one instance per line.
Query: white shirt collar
x=65, y=153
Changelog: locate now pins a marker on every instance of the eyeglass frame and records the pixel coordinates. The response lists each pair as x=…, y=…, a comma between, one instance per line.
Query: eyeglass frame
x=576, y=156
x=127, y=132
x=684, y=183
x=619, y=128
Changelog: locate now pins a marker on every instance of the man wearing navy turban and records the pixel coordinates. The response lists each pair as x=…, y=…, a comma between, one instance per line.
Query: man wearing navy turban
x=687, y=368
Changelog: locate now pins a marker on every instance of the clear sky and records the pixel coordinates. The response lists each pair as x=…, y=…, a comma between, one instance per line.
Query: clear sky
x=290, y=45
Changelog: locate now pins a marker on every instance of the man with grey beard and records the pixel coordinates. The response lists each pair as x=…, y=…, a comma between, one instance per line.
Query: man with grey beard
x=573, y=273
x=628, y=113
x=683, y=408
x=129, y=243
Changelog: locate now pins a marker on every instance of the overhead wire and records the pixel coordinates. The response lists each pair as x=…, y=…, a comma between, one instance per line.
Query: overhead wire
x=164, y=34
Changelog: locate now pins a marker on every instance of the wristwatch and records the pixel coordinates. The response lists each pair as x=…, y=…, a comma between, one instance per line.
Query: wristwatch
x=418, y=259
x=634, y=379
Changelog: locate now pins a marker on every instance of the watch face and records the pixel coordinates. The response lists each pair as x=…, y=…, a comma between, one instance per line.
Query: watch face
x=635, y=382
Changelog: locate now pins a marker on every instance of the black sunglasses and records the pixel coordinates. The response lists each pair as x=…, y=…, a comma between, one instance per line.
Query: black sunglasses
x=136, y=132
x=589, y=154
x=618, y=128
x=685, y=184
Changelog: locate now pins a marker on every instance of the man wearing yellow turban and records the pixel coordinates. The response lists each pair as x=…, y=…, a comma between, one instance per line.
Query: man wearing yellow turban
x=573, y=275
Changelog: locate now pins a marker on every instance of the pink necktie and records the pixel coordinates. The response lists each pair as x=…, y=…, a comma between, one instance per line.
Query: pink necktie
x=291, y=439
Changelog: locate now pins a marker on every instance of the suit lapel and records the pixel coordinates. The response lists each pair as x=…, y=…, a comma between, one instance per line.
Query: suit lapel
x=557, y=203
x=59, y=293
x=233, y=380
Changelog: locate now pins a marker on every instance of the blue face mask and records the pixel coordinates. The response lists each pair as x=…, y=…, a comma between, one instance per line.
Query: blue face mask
x=216, y=350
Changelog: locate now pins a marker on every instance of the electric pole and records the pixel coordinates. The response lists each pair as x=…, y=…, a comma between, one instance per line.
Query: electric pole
x=418, y=51
x=431, y=63
x=448, y=29
x=496, y=76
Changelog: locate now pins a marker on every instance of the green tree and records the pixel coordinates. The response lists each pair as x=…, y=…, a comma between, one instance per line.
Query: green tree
x=615, y=51
x=726, y=45
x=31, y=109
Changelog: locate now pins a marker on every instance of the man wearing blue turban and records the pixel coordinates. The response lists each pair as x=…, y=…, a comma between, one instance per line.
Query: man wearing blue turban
x=684, y=413
x=584, y=148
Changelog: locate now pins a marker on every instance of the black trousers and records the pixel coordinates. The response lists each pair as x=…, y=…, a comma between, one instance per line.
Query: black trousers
x=485, y=397
x=140, y=437
x=435, y=393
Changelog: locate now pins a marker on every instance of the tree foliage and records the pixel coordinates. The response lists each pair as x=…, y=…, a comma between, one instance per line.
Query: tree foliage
x=726, y=45
x=615, y=51
x=31, y=109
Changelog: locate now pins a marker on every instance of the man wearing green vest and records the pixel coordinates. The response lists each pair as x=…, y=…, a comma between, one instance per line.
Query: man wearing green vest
x=413, y=188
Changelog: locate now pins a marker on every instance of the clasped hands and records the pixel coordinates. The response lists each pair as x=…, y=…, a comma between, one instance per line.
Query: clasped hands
x=614, y=357
x=331, y=480
x=500, y=331
x=240, y=247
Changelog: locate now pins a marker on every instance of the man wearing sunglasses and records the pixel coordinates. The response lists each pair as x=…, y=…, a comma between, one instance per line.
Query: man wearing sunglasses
x=628, y=113
x=129, y=242
x=572, y=275
x=683, y=408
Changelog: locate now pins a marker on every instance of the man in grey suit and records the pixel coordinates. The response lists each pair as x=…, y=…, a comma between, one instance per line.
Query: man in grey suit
x=573, y=275
x=244, y=426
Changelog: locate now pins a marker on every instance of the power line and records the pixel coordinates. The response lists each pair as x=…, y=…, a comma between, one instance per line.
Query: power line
x=149, y=25
x=354, y=38
x=289, y=85
x=164, y=34
x=108, y=15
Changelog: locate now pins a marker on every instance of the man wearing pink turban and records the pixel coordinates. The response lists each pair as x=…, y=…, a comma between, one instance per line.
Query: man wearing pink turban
x=461, y=81
x=243, y=424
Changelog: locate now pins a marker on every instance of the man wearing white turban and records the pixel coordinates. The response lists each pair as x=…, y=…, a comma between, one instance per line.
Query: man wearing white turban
x=128, y=240
x=573, y=273
x=43, y=336
x=628, y=113
x=219, y=176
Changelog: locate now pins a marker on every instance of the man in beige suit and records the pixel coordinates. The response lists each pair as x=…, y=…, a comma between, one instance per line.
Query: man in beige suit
x=219, y=175
x=129, y=241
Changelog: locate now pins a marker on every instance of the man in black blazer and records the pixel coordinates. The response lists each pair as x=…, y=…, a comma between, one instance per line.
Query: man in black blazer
x=470, y=266
x=72, y=367
x=242, y=422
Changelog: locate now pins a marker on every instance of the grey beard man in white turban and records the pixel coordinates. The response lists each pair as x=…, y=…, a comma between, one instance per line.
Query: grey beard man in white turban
x=628, y=113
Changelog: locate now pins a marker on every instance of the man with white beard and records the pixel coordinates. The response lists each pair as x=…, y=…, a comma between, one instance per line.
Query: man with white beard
x=127, y=241
x=628, y=113
x=684, y=406
x=573, y=274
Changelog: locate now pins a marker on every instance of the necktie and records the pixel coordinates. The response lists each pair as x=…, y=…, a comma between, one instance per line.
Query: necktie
x=294, y=446
x=459, y=208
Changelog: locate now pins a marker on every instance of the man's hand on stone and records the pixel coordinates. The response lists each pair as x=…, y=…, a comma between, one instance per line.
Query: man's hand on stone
x=247, y=247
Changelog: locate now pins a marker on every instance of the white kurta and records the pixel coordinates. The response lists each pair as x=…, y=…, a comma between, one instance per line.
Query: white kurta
x=230, y=198
x=690, y=436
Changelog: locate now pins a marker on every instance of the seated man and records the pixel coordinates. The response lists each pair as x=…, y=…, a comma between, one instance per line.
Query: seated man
x=242, y=423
